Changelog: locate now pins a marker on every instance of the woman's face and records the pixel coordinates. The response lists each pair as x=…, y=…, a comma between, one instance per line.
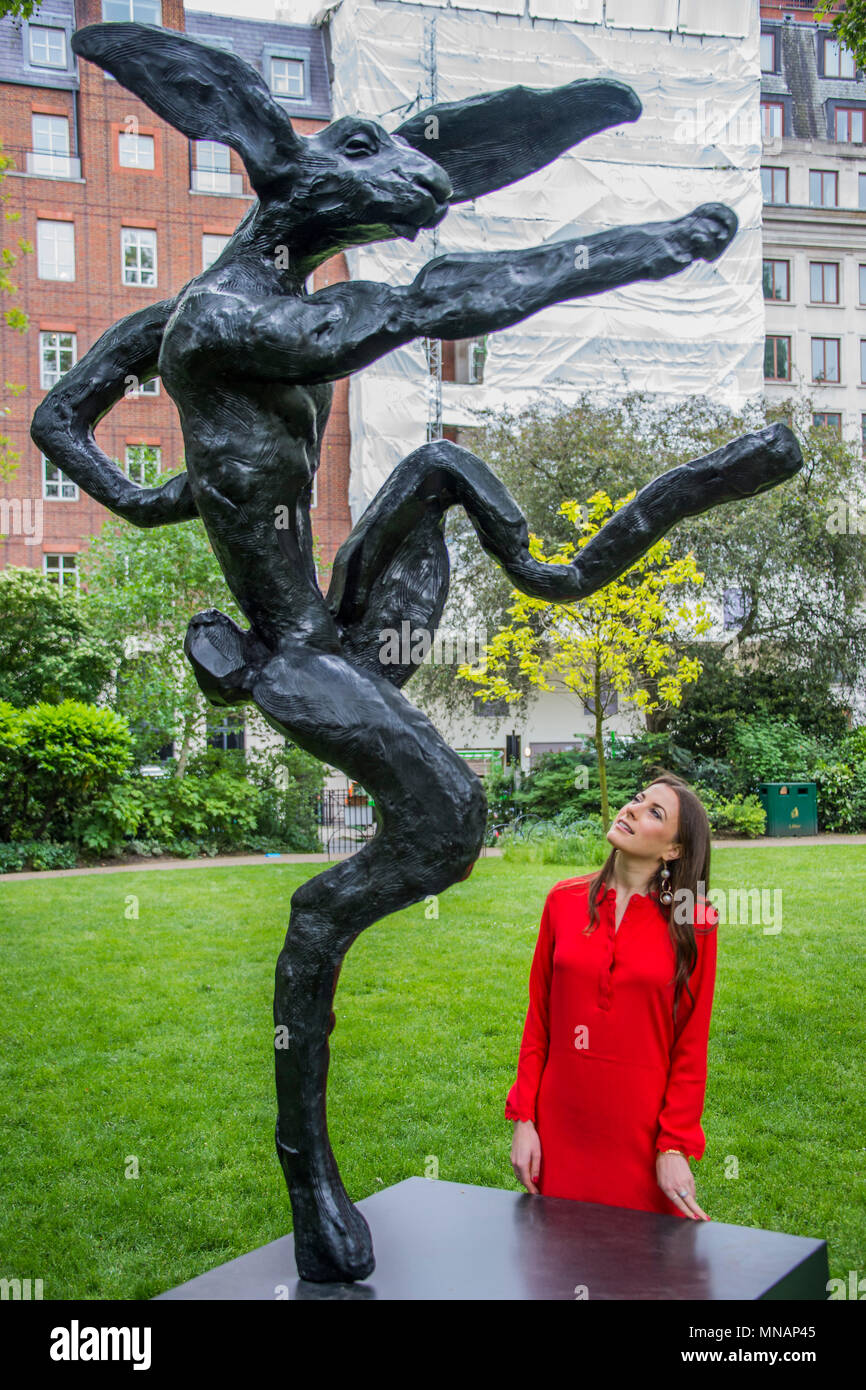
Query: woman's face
x=648, y=825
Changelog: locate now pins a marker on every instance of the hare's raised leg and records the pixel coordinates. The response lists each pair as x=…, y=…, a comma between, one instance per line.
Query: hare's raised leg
x=433, y=816
x=371, y=563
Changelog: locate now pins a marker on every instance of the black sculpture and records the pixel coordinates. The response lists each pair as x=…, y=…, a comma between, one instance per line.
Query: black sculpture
x=248, y=357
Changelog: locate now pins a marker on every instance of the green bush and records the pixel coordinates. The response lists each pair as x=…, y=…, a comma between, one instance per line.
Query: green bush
x=565, y=839
x=24, y=855
x=774, y=750
x=840, y=790
x=733, y=816
x=550, y=787
x=54, y=761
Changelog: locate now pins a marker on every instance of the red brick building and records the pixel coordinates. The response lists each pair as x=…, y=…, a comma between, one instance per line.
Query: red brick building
x=122, y=210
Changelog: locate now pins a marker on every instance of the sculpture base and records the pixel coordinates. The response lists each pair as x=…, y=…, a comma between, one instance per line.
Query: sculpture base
x=447, y=1240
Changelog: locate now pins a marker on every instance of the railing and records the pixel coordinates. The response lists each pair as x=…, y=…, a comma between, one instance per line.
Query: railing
x=42, y=164
x=217, y=181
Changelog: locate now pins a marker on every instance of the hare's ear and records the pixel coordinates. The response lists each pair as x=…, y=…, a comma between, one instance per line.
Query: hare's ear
x=204, y=92
x=486, y=142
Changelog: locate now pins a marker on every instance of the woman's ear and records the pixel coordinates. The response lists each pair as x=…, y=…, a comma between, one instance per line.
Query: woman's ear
x=487, y=142
x=204, y=92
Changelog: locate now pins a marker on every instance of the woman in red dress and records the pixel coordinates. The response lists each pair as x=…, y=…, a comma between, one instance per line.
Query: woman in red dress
x=613, y=1063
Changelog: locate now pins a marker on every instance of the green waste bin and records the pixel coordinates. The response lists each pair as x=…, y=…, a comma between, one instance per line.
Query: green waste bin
x=791, y=807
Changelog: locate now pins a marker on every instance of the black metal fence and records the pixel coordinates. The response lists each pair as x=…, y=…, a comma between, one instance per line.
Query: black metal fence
x=346, y=818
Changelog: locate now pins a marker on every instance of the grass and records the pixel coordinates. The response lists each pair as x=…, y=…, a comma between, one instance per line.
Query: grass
x=148, y=1041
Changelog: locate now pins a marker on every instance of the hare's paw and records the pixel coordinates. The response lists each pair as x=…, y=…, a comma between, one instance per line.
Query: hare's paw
x=220, y=655
x=708, y=230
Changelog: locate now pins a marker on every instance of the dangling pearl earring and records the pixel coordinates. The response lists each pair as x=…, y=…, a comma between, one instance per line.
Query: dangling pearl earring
x=666, y=896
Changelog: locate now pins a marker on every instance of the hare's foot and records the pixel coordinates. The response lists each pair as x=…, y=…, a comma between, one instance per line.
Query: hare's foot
x=225, y=659
x=701, y=235
x=332, y=1240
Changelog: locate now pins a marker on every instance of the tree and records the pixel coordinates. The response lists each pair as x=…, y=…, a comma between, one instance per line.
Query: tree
x=801, y=573
x=615, y=640
x=50, y=649
x=146, y=585
x=17, y=9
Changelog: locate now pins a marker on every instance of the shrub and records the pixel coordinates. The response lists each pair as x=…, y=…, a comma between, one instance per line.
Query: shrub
x=775, y=750
x=556, y=841
x=733, y=816
x=840, y=790
x=54, y=761
x=34, y=855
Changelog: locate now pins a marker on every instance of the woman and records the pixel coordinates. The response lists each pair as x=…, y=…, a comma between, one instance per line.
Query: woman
x=613, y=1063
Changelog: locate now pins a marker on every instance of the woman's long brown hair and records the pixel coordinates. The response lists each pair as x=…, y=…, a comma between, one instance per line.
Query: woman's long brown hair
x=690, y=869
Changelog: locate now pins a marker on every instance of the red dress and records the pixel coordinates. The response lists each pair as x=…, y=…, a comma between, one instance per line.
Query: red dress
x=603, y=1073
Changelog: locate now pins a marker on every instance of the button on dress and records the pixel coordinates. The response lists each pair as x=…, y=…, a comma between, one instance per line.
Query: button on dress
x=603, y=1072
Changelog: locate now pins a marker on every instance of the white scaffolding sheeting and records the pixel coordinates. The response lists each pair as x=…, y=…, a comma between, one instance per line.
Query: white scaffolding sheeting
x=698, y=141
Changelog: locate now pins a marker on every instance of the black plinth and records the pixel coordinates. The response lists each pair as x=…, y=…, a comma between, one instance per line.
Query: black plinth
x=447, y=1240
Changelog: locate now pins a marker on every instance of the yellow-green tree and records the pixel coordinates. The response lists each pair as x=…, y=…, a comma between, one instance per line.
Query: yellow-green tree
x=618, y=639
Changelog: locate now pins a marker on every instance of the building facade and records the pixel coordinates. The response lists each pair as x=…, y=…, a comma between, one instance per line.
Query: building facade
x=813, y=103
x=122, y=210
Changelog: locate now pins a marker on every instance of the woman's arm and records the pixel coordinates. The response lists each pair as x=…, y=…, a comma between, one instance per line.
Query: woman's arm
x=680, y=1118
x=520, y=1103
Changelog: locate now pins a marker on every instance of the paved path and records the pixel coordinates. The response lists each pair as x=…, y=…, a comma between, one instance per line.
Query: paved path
x=246, y=860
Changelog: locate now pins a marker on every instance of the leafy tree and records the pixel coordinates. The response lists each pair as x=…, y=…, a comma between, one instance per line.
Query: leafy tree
x=17, y=9
x=802, y=575
x=618, y=639
x=146, y=585
x=50, y=649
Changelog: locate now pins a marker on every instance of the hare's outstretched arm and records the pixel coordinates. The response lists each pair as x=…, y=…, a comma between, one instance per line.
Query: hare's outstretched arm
x=63, y=423
x=344, y=327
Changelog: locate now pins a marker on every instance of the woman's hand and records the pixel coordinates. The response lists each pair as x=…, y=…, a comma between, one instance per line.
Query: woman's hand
x=526, y=1154
x=674, y=1176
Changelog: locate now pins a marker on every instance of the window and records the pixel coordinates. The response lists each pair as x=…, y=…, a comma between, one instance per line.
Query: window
x=57, y=353
x=55, y=250
x=823, y=188
x=212, y=246
x=824, y=282
x=50, y=139
x=287, y=77
x=47, y=47
x=772, y=119
x=733, y=608
x=55, y=485
x=143, y=388
x=861, y=185
x=142, y=11
x=777, y=359
x=827, y=420
x=777, y=280
x=228, y=733
x=139, y=256
x=142, y=463
x=609, y=701
x=768, y=53
x=62, y=570
x=838, y=60
x=775, y=185
x=489, y=709
x=863, y=284
x=849, y=125
x=212, y=168
x=825, y=359
x=863, y=360
x=863, y=434
x=135, y=151
x=314, y=492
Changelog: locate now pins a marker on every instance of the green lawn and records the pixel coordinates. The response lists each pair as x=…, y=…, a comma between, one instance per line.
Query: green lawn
x=152, y=1039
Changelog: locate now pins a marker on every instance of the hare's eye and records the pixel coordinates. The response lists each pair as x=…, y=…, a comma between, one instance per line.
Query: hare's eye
x=358, y=147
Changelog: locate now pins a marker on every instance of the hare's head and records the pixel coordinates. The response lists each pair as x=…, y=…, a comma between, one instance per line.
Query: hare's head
x=351, y=182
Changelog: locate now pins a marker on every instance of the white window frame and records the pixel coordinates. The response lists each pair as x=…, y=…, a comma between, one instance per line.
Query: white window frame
x=131, y=15
x=49, y=154
x=131, y=237
x=129, y=463
x=61, y=573
x=773, y=40
x=841, y=53
x=51, y=263
x=303, y=95
x=50, y=377
x=134, y=142
x=59, y=489
x=212, y=236
x=34, y=62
